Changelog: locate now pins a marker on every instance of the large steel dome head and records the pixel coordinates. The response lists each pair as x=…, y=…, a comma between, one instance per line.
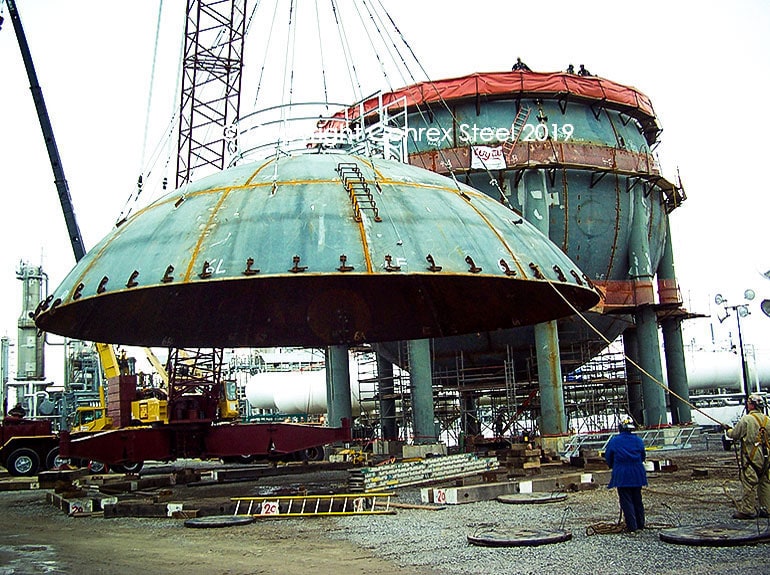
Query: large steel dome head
x=311, y=250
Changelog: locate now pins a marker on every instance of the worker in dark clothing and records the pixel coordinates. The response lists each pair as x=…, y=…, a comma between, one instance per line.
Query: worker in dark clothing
x=583, y=71
x=625, y=455
x=570, y=69
x=753, y=430
x=520, y=66
x=17, y=411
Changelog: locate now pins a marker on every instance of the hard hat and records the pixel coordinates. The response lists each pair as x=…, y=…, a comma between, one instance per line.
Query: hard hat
x=626, y=425
x=757, y=400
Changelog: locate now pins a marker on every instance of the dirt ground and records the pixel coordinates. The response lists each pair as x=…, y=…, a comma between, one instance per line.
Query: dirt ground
x=36, y=537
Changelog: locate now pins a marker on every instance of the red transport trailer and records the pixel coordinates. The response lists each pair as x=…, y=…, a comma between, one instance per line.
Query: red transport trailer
x=27, y=445
x=191, y=431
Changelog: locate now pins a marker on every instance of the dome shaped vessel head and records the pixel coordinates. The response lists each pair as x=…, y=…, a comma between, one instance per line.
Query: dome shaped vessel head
x=311, y=250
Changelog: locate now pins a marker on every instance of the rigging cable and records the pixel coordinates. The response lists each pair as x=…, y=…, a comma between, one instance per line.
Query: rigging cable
x=352, y=72
x=321, y=54
x=267, y=44
x=288, y=71
x=127, y=210
x=631, y=361
x=152, y=81
x=445, y=160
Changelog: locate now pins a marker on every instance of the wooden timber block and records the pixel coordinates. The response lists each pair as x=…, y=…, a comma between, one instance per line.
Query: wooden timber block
x=700, y=473
x=518, y=472
x=19, y=484
x=583, y=486
x=136, y=508
x=468, y=493
x=523, y=462
x=492, y=476
x=129, y=485
x=51, y=478
x=592, y=463
x=184, y=514
x=72, y=503
x=185, y=476
x=102, y=479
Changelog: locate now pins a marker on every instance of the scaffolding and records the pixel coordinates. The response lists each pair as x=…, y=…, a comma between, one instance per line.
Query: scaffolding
x=496, y=401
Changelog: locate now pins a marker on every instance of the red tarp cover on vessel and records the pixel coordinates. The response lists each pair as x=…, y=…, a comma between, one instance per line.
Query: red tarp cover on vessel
x=522, y=83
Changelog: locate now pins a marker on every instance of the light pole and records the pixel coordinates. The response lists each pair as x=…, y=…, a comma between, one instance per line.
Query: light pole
x=741, y=310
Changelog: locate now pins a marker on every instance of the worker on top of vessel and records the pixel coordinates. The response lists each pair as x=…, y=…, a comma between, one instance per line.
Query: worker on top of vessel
x=583, y=71
x=753, y=430
x=570, y=69
x=520, y=66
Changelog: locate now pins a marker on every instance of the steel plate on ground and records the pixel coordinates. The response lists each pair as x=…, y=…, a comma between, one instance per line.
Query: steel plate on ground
x=219, y=521
x=518, y=537
x=531, y=497
x=717, y=535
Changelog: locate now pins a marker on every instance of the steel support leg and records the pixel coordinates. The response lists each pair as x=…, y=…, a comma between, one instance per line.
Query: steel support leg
x=338, y=385
x=422, y=391
x=386, y=391
x=554, y=420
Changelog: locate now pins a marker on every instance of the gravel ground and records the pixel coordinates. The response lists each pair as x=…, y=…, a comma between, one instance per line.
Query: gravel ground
x=36, y=538
x=437, y=540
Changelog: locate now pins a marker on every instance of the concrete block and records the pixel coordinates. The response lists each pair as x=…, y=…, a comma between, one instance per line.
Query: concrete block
x=423, y=450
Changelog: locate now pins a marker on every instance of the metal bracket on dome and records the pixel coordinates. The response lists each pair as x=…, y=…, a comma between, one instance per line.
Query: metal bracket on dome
x=388, y=265
x=535, y=268
x=506, y=268
x=135, y=274
x=432, y=267
x=559, y=273
x=250, y=271
x=474, y=269
x=296, y=268
x=206, y=271
x=167, y=277
x=343, y=264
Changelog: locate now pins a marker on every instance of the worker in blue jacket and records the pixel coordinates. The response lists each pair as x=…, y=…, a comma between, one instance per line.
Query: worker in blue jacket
x=625, y=455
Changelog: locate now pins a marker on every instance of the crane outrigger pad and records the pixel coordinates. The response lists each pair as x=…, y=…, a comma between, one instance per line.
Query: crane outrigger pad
x=718, y=535
x=519, y=537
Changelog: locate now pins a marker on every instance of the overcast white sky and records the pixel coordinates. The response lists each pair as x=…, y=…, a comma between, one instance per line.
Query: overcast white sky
x=704, y=64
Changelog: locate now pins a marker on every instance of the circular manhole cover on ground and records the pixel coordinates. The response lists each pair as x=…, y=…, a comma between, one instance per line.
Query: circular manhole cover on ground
x=716, y=535
x=219, y=521
x=517, y=537
x=531, y=497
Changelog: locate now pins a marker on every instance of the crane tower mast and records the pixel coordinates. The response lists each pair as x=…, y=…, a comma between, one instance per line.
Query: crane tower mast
x=211, y=83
